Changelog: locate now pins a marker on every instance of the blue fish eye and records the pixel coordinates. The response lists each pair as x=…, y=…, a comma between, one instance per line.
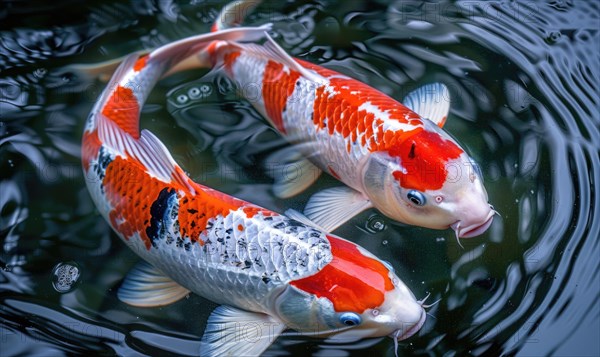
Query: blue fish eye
x=416, y=197
x=350, y=319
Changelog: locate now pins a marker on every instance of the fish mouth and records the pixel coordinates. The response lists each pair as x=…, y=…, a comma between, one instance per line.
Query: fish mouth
x=411, y=331
x=474, y=229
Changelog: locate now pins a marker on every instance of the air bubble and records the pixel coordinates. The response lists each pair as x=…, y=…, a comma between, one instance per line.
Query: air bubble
x=65, y=276
x=194, y=93
x=375, y=224
x=205, y=88
x=182, y=98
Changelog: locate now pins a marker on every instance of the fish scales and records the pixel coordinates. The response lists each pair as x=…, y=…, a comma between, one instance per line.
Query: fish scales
x=262, y=266
x=392, y=156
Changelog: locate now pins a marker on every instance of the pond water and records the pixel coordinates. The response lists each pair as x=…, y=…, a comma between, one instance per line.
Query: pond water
x=524, y=78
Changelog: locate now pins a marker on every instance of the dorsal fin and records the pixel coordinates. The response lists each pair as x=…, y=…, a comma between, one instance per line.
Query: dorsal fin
x=148, y=150
x=431, y=101
x=272, y=51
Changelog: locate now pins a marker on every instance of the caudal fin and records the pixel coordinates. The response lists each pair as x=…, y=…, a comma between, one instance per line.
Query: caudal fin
x=234, y=13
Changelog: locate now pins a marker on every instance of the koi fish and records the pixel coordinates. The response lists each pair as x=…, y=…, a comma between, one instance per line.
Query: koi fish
x=392, y=156
x=268, y=271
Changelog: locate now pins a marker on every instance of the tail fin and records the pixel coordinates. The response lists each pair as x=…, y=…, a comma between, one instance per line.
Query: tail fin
x=233, y=14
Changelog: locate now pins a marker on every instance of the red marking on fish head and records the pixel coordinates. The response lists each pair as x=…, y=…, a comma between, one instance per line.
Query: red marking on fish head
x=352, y=281
x=424, y=157
x=123, y=109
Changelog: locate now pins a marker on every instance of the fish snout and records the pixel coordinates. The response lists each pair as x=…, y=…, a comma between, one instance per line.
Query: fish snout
x=410, y=328
x=475, y=224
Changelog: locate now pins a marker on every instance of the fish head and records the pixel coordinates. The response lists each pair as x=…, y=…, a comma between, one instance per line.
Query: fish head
x=430, y=181
x=353, y=296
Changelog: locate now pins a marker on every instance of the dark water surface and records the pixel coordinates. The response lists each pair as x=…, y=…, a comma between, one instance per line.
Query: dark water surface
x=524, y=77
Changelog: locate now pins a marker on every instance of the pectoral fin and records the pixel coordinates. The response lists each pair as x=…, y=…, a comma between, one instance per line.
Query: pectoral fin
x=234, y=332
x=297, y=216
x=292, y=172
x=333, y=207
x=431, y=101
x=147, y=286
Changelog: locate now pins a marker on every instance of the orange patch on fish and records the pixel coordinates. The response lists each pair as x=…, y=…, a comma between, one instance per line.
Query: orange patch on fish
x=195, y=211
x=351, y=281
x=278, y=86
x=90, y=147
x=140, y=63
x=339, y=107
x=229, y=59
x=131, y=192
x=122, y=108
x=251, y=211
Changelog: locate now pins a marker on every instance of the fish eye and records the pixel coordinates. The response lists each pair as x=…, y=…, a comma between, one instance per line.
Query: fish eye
x=416, y=197
x=182, y=98
x=350, y=319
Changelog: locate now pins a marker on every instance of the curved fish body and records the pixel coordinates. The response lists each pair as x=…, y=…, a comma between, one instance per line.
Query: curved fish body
x=392, y=156
x=270, y=272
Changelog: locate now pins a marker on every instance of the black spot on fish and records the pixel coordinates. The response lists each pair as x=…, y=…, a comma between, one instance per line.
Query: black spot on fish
x=247, y=264
x=187, y=246
x=192, y=211
x=266, y=279
x=179, y=242
x=101, y=164
x=229, y=231
x=158, y=211
x=411, y=154
x=280, y=225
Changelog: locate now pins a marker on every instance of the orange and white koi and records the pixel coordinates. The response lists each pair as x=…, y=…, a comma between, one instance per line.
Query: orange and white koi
x=392, y=156
x=270, y=272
